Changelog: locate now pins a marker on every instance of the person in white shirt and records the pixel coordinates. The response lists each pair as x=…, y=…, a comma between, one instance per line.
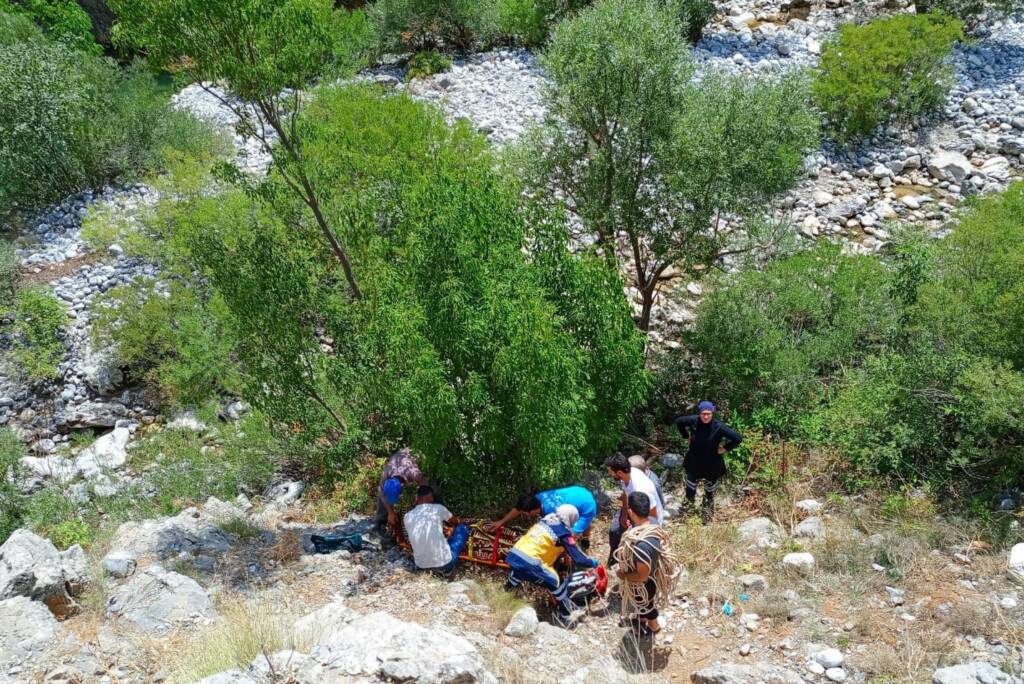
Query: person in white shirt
x=424, y=527
x=633, y=480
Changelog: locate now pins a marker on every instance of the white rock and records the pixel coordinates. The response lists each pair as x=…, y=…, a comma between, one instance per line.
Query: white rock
x=803, y=561
x=379, y=647
x=822, y=198
x=1016, y=563
x=911, y=201
x=523, y=623
x=996, y=167
x=828, y=657
x=811, y=528
x=109, y=452
x=809, y=505
x=761, y=532
x=835, y=674
x=978, y=672
x=320, y=625
x=949, y=166
x=31, y=566
x=754, y=673
x=754, y=582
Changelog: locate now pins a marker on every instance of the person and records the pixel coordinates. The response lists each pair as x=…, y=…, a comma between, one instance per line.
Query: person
x=640, y=463
x=424, y=526
x=533, y=557
x=646, y=566
x=546, y=503
x=401, y=469
x=633, y=480
x=704, y=459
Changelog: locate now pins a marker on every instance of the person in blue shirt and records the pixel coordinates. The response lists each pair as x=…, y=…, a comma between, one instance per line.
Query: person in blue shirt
x=546, y=503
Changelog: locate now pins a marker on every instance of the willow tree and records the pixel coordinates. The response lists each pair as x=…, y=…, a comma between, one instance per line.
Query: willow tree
x=264, y=53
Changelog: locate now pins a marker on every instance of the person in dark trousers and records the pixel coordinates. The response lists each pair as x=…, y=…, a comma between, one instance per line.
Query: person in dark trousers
x=709, y=439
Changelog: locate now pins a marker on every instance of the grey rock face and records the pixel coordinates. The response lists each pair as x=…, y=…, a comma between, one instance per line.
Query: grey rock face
x=379, y=647
x=31, y=566
x=27, y=631
x=758, y=673
x=118, y=564
x=972, y=673
x=188, y=532
x=156, y=600
x=109, y=452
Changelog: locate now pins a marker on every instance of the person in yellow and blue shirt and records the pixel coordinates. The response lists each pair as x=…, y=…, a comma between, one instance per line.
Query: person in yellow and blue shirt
x=533, y=557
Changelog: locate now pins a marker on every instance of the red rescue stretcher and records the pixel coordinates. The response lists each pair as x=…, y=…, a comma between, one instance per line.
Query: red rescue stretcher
x=484, y=547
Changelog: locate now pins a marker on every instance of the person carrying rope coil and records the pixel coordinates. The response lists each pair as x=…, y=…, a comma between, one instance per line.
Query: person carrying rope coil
x=646, y=566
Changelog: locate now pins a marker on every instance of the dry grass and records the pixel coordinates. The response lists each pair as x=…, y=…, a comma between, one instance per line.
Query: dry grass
x=918, y=650
x=244, y=631
x=287, y=548
x=501, y=604
x=241, y=529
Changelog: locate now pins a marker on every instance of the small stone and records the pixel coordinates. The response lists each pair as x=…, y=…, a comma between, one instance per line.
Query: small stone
x=754, y=582
x=828, y=657
x=896, y=596
x=835, y=674
x=803, y=561
x=745, y=649
x=523, y=623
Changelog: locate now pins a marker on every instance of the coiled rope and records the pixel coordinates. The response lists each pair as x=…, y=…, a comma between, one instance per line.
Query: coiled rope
x=635, y=597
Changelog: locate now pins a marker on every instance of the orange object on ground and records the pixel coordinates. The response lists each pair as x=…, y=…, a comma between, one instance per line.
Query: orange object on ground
x=484, y=547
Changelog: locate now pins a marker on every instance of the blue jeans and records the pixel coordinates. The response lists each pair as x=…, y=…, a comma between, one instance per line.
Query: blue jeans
x=457, y=541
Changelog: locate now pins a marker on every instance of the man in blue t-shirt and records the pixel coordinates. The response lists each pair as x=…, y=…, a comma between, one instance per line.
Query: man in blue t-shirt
x=546, y=503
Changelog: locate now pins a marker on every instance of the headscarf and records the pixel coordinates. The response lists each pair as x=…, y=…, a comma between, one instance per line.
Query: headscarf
x=566, y=515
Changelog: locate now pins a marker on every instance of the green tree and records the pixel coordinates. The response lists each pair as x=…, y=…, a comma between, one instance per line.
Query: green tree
x=265, y=52
x=644, y=157
x=491, y=350
x=890, y=69
x=63, y=20
x=420, y=25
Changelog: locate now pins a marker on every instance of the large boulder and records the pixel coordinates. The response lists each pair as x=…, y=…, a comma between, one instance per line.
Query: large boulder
x=734, y=673
x=320, y=625
x=972, y=673
x=56, y=468
x=950, y=166
x=760, y=532
x=189, y=532
x=379, y=647
x=109, y=452
x=157, y=600
x=28, y=632
x=811, y=528
x=100, y=370
x=33, y=567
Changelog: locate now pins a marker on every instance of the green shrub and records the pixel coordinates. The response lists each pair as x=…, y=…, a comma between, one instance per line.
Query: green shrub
x=10, y=271
x=427, y=63
x=70, y=121
x=39, y=320
x=68, y=533
x=419, y=25
x=890, y=69
x=693, y=16
x=170, y=339
x=63, y=20
x=16, y=27
x=529, y=22
x=12, y=502
x=774, y=339
x=968, y=11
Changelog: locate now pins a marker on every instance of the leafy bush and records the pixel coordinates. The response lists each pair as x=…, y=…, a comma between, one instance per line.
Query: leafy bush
x=773, y=339
x=910, y=368
x=693, y=16
x=968, y=11
x=10, y=270
x=529, y=22
x=16, y=27
x=12, y=502
x=890, y=69
x=63, y=20
x=69, y=121
x=168, y=338
x=420, y=25
x=427, y=63
x=39, y=319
